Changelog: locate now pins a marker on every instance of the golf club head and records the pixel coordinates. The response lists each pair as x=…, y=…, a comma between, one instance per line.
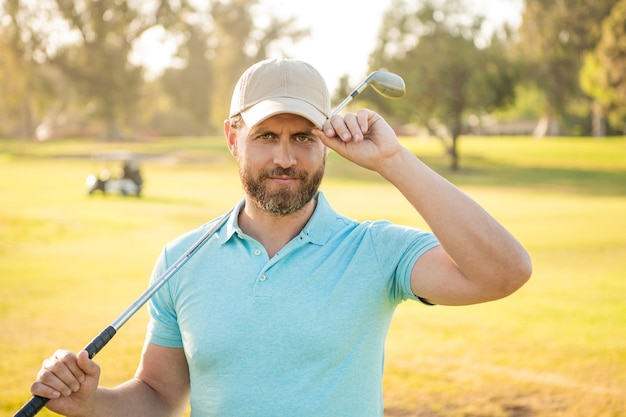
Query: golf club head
x=387, y=84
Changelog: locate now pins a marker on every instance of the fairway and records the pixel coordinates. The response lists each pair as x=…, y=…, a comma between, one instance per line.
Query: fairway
x=71, y=263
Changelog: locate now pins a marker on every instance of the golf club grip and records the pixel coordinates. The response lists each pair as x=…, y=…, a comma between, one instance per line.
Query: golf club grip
x=100, y=341
x=31, y=408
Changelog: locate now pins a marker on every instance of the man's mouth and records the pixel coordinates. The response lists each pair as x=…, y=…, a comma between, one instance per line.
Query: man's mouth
x=284, y=176
x=282, y=180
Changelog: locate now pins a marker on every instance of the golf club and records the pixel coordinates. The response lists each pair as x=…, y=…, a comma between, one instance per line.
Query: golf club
x=385, y=83
x=36, y=403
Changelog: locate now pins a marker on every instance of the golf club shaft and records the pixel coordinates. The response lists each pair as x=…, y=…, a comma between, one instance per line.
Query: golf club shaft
x=36, y=403
x=351, y=97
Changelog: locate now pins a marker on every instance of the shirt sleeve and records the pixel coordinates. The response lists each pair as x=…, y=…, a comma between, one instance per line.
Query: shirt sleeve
x=163, y=327
x=397, y=249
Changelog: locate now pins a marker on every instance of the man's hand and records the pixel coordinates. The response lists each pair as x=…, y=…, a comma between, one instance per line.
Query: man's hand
x=364, y=138
x=70, y=381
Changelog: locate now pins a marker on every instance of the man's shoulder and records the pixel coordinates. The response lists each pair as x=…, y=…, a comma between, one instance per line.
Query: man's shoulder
x=191, y=237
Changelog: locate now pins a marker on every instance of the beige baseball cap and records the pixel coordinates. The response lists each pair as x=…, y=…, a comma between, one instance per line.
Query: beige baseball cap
x=281, y=85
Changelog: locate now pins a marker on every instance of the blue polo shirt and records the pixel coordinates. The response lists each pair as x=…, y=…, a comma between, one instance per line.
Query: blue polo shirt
x=301, y=334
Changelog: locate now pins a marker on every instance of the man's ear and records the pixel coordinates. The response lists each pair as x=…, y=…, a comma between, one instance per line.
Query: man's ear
x=231, y=138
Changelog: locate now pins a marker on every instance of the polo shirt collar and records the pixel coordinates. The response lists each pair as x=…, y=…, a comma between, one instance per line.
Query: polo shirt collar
x=320, y=226
x=231, y=227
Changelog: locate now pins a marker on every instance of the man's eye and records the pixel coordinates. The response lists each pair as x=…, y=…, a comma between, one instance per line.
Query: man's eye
x=265, y=136
x=302, y=139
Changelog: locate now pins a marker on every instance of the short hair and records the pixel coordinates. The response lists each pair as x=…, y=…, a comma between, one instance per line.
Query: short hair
x=236, y=122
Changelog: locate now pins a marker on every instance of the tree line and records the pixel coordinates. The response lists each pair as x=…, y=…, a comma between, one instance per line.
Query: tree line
x=66, y=67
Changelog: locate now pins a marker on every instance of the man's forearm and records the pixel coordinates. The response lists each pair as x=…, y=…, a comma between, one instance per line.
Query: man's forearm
x=133, y=398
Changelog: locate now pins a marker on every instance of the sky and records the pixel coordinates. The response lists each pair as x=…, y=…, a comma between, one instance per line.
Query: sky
x=343, y=32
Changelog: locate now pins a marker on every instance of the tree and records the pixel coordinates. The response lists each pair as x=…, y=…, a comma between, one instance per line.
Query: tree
x=238, y=42
x=26, y=86
x=190, y=87
x=603, y=75
x=447, y=75
x=219, y=43
x=554, y=37
x=13, y=86
x=90, y=42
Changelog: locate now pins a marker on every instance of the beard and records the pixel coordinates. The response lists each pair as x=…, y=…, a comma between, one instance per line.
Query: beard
x=283, y=201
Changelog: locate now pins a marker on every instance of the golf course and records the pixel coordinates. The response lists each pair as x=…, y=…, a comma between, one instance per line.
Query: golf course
x=71, y=263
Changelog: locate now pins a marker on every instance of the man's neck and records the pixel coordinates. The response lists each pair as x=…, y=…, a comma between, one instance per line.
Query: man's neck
x=271, y=230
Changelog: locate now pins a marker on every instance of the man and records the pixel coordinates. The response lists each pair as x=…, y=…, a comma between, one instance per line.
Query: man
x=285, y=310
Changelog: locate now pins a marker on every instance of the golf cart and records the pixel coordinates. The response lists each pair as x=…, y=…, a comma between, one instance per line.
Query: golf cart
x=126, y=181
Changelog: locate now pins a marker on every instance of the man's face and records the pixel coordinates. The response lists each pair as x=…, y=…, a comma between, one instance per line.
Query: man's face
x=281, y=163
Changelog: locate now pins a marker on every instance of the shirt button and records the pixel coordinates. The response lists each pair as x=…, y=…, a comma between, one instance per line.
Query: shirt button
x=257, y=252
x=263, y=278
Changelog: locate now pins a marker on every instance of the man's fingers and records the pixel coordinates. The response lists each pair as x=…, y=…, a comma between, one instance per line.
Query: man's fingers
x=346, y=128
x=71, y=361
x=43, y=390
x=363, y=118
x=89, y=367
x=63, y=374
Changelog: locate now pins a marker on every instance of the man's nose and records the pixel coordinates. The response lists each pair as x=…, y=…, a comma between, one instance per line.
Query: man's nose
x=284, y=155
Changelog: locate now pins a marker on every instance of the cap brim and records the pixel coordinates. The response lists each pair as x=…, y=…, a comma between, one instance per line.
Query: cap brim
x=268, y=108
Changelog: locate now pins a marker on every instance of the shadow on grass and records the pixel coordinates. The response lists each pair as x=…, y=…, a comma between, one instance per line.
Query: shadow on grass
x=509, y=410
x=479, y=171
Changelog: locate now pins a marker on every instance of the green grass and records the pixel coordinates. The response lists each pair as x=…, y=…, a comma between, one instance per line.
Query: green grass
x=70, y=264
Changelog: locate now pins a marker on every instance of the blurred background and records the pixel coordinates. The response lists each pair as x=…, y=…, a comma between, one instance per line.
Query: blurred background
x=522, y=104
x=127, y=70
